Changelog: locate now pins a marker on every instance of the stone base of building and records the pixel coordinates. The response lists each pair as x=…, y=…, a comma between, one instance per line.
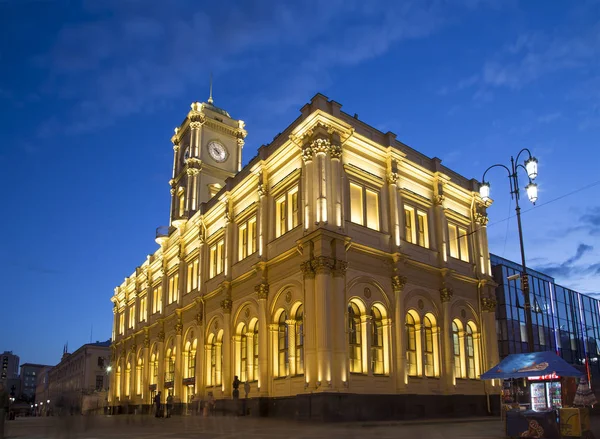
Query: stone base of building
x=342, y=407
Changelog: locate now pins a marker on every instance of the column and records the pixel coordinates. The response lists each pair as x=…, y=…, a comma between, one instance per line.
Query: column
x=340, y=345
x=227, y=375
x=229, y=235
x=112, y=386
x=123, y=375
x=321, y=147
x=291, y=325
x=336, y=184
x=398, y=283
x=178, y=379
x=263, y=215
x=237, y=351
x=395, y=224
x=323, y=266
x=250, y=356
x=182, y=272
x=440, y=223
x=488, y=330
x=160, y=347
x=164, y=287
x=308, y=176
x=200, y=357
x=483, y=254
x=262, y=291
x=446, y=338
x=310, y=326
x=146, y=370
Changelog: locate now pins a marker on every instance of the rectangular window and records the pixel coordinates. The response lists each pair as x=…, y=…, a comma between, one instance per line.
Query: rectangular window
x=173, y=288
x=192, y=276
x=131, y=316
x=364, y=206
x=287, y=212
x=217, y=258
x=247, y=238
x=122, y=323
x=143, y=309
x=416, y=228
x=243, y=358
x=99, y=382
x=157, y=299
x=458, y=242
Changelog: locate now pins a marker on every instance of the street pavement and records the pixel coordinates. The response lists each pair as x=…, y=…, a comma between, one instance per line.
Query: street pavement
x=143, y=427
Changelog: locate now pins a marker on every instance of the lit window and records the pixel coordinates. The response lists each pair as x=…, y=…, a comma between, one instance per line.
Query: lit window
x=138, y=376
x=377, y=342
x=457, y=351
x=411, y=345
x=181, y=202
x=255, y=351
x=416, y=230
x=470, y=348
x=143, y=309
x=247, y=238
x=300, y=340
x=243, y=355
x=282, y=346
x=127, y=379
x=190, y=359
x=287, y=212
x=131, y=320
x=170, y=365
x=192, y=275
x=217, y=258
x=429, y=348
x=355, y=338
x=157, y=299
x=458, y=242
x=173, y=288
x=121, y=323
x=364, y=206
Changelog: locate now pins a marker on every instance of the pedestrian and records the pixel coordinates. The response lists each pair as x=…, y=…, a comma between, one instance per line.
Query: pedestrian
x=157, y=405
x=3, y=408
x=169, y=405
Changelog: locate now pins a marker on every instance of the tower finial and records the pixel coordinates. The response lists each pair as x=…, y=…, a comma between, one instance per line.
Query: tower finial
x=210, y=98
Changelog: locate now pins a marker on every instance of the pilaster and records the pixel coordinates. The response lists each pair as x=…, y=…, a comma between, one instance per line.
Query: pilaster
x=447, y=371
x=262, y=293
x=398, y=283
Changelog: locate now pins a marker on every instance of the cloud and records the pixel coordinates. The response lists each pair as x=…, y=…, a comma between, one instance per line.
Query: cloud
x=550, y=117
x=136, y=57
x=589, y=222
x=569, y=269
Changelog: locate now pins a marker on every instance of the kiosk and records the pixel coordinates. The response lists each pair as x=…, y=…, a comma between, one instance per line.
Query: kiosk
x=544, y=412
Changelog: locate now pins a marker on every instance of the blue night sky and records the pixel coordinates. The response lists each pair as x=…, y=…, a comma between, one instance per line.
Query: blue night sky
x=91, y=92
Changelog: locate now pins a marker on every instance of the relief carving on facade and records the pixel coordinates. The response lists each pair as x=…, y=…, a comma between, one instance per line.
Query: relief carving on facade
x=262, y=290
x=307, y=153
x=226, y=305
x=161, y=335
x=320, y=145
x=340, y=268
x=323, y=264
x=398, y=283
x=307, y=269
x=488, y=304
x=336, y=151
x=446, y=294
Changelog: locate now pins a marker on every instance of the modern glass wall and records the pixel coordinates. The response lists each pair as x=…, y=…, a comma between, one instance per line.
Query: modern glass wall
x=564, y=320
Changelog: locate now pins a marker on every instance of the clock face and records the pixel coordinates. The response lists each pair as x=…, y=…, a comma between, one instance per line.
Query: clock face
x=217, y=151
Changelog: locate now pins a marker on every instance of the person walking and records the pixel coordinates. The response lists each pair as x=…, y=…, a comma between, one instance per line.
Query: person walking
x=157, y=405
x=169, y=405
x=3, y=408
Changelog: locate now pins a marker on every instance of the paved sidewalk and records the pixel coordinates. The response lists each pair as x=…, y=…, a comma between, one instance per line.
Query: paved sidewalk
x=144, y=427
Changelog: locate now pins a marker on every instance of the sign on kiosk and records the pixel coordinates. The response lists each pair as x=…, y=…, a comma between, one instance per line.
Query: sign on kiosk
x=551, y=376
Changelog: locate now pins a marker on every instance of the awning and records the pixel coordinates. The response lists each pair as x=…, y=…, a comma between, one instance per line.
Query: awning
x=531, y=364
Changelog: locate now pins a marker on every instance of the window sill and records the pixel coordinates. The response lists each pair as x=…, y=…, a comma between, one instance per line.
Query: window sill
x=367, y=228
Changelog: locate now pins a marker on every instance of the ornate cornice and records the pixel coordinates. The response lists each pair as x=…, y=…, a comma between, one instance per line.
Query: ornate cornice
x=488, y=305
x=446, y=294
x=398, y=283
x=262, y=290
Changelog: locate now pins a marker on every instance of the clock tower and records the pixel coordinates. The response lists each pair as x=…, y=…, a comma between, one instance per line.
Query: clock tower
x=207, y=150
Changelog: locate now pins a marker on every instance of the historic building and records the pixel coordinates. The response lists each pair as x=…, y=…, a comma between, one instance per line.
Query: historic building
x=341, y=273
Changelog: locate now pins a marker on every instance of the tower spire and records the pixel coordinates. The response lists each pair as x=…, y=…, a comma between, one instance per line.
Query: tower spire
x=210, y=98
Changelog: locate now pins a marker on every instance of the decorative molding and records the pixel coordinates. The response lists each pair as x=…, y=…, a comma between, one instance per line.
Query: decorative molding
x=262, y=290
x=146, y=341
x=481, y=218
x=226, y=305
x=393, y=177
x=178, y=328
x=192, y=171
x=335, y=151
x=197, y=124
x=262, y=189
x=339, y=270
x=133, y=348
x=307, y=269
x=288, y=296
x=488, y=305
x=446, y=294
x=307, y=153
x=323, y=264
x=320, y=145
x=199, y=319
x=398, y=283
x=161, y=336
x=438, y=200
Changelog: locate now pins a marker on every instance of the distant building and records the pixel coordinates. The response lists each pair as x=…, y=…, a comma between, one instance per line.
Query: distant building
x=29, y=374
x=42, y=392
x=564, y=320
x=10, y=366
x=80, y=374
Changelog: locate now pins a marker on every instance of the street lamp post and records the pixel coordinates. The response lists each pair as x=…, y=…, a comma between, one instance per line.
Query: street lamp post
x=530, y=166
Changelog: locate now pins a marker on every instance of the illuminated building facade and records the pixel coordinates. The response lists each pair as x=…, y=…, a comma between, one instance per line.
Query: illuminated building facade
x=339, y=268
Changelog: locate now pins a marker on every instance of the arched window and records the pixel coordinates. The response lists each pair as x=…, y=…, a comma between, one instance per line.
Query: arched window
x=138, y=376
x=411, y=345
x=470, y=348
x=170, y=366
x=190, y=358
x=429, y=348
x=456, y=350
x=243, y=354
x=128, y=379
x=154, y=368
x=282, y=345
x=354, y=338
x=377, y=365
x=255, y=352
x=299, y=340
x=118, y=380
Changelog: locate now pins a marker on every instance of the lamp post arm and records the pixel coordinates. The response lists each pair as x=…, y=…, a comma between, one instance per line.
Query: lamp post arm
x=522, y=151
x=495, y=166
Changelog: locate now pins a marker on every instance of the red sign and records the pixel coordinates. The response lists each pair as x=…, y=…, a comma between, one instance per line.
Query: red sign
x=551, y=376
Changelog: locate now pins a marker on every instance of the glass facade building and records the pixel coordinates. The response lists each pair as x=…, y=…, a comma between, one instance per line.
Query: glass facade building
x=564, y=320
